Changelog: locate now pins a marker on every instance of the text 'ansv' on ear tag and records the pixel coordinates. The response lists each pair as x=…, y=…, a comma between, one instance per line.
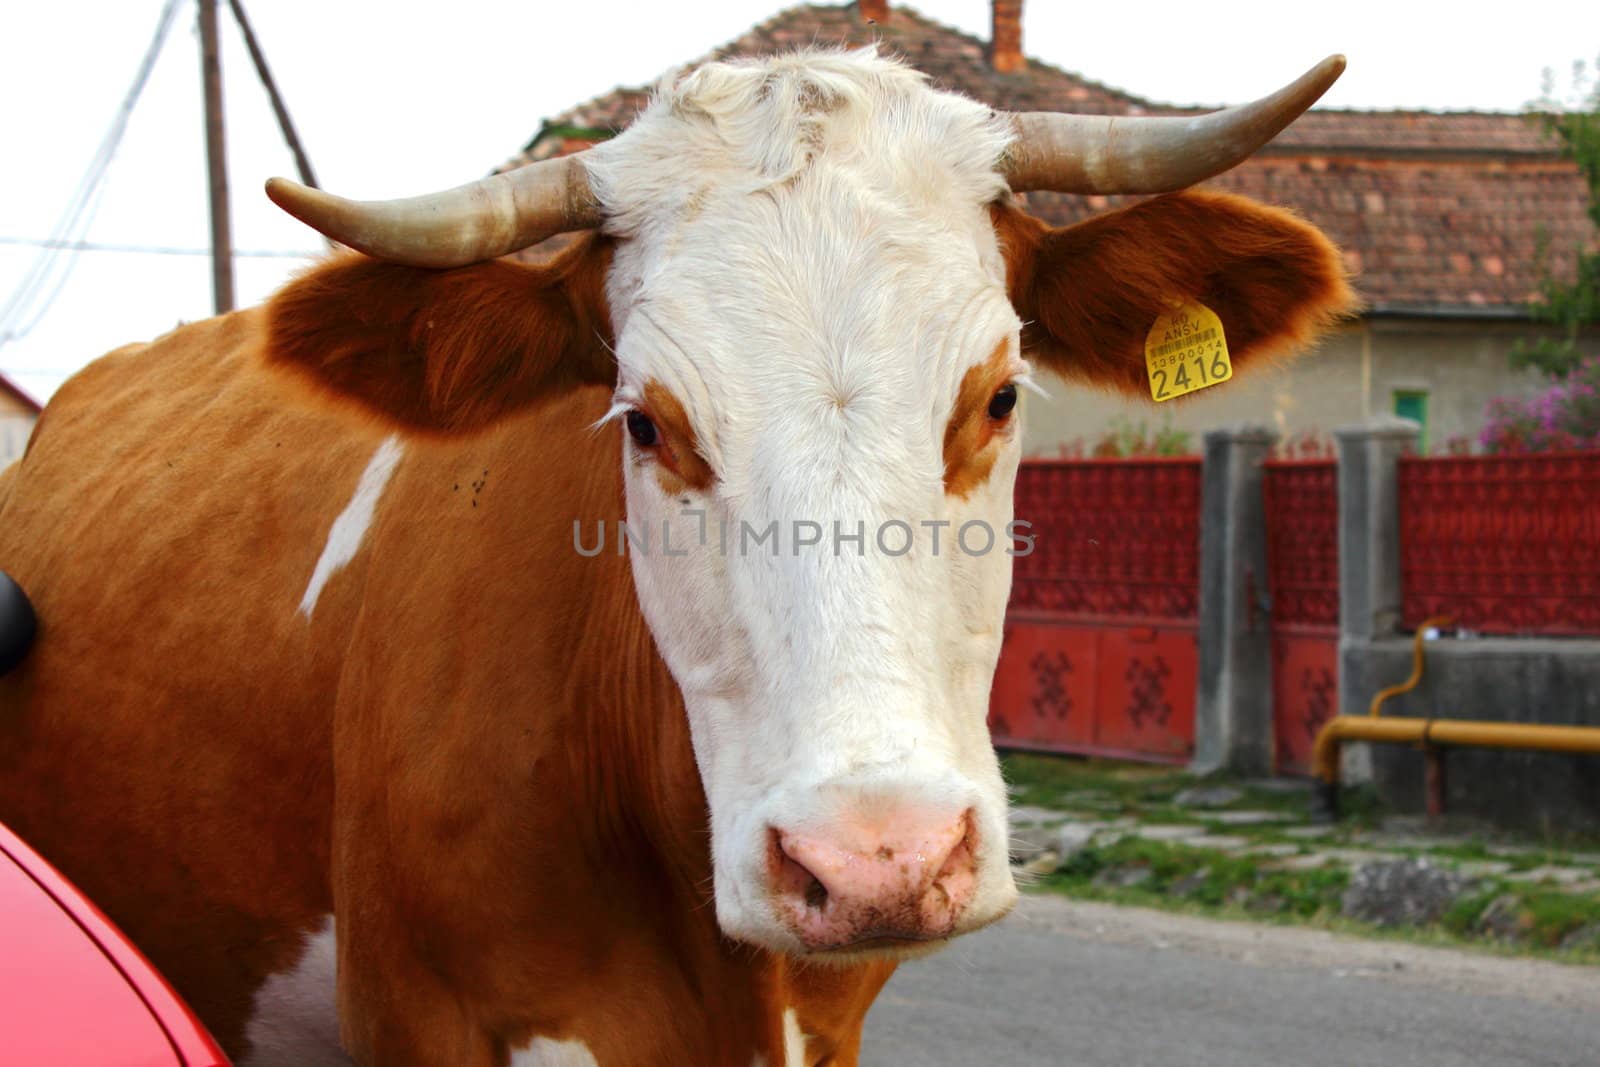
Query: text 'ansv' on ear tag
x=1185, y=351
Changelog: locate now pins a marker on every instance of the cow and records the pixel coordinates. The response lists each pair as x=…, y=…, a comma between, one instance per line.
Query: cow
x=457, y=660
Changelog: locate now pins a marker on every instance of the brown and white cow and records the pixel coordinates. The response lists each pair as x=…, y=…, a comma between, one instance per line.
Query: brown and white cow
x=332, y=691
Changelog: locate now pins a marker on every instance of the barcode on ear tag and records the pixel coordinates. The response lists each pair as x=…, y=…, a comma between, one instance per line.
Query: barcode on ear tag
x=1185, y=351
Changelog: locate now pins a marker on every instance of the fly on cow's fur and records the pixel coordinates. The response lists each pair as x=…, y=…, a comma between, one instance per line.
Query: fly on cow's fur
x=370, y=775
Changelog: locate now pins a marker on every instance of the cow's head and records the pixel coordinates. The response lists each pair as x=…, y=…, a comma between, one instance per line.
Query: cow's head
x=821, y=303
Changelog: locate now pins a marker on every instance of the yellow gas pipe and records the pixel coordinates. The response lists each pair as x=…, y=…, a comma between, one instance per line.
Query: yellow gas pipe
x=1431, y=735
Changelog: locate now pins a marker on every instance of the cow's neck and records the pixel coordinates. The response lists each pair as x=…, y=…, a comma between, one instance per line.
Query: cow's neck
x=630, y=766
x=630, y=754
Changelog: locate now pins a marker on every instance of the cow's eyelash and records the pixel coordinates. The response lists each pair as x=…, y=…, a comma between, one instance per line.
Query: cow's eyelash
x=617, y=410
x=1026, y=381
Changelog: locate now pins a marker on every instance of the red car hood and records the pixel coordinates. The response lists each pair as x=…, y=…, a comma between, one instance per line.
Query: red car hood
x=74, y=992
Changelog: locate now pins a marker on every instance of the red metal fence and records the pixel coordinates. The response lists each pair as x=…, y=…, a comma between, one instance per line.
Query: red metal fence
x=1302, y=518
x=1505, y=544
x=1100, y=653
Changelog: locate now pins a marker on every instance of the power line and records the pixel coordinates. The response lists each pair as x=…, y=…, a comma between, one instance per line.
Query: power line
x=280, y=109
x=79, y=213
x=154, y=250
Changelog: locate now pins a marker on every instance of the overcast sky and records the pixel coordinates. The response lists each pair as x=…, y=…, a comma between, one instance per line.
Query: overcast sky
x=395, y=98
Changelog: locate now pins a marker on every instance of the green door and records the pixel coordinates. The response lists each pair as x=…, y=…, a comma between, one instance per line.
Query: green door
x=1413, y=405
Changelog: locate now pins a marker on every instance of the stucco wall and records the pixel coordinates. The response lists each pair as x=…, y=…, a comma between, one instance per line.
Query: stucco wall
x=1354, y=374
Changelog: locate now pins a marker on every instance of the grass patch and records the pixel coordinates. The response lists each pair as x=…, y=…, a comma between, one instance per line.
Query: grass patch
x=1152, y=872
x=1501, y=917
x=1464, y=918
x=1058, y=782
x=1472, y=851
x=1360, y=807
x=1555, y=915
x=1540, y=917
x=1110, y=789
x=1145, y=790
x=1176, y=877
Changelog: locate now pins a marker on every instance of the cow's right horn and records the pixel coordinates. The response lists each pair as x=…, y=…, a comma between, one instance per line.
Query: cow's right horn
x=490, y=217
x=1152, y=153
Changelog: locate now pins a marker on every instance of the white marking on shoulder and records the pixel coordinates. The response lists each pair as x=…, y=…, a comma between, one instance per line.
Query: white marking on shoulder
x=294, y=1019
x=544, y=1052
x=794, y=1043
x=794, y=1040
x=350, y=528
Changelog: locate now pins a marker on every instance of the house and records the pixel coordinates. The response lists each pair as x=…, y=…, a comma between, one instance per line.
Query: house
x=18, y=413
x=1446, y=219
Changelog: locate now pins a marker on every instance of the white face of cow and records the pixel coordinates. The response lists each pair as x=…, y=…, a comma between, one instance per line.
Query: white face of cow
x=808, y=285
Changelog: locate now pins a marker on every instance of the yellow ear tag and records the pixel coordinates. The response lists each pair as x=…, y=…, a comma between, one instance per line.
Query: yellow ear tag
x=1185, y=351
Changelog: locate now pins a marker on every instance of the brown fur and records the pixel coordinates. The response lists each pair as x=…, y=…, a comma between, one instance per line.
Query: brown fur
x=680, y=464
x=165, y=743
x=1089, y=293
x=447, y=351
x=472, y=753
x=969, y=437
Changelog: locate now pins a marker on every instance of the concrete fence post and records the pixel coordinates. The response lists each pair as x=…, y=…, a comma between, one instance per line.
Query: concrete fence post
x=1369, y=555
x=1233, y=699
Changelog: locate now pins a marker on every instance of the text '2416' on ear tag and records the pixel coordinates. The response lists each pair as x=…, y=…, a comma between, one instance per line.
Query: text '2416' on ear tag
x=1185, y=351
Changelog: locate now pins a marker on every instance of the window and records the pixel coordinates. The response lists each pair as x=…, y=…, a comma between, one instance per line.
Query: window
x=1413, y=404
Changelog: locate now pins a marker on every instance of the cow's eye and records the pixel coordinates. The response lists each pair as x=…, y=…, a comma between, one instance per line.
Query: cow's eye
x=641, y=429
x=1002, y=402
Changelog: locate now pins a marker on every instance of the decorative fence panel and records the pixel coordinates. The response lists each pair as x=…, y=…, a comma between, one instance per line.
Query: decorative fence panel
x=1100, y=654
x=1302, y=518
x=1505, y=544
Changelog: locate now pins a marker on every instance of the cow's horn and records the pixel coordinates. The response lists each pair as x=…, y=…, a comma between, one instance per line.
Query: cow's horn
x=1152, y=154
x=468, y=224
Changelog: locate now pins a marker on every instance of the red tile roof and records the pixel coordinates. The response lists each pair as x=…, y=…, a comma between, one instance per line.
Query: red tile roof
x=1438, y=213
x=16, y=392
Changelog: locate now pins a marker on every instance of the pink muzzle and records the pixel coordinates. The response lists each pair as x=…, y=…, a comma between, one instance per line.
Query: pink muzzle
x=902, y=877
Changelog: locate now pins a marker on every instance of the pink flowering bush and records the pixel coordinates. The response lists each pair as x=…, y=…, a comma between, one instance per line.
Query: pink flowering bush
x=1564, y=417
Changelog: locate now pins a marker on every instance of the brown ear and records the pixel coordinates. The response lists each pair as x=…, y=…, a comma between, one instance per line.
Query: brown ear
x=1089, y=293
x=447, y=351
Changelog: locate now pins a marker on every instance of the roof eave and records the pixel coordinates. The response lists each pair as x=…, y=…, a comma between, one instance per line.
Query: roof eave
x=1364, y=153
x=1406, y=310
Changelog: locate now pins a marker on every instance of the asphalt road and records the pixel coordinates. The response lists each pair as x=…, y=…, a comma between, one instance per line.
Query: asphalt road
x=1069, y=983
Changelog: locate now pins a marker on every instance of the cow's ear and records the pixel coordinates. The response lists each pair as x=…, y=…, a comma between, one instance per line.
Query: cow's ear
x=1088, y=294
x=446, y=351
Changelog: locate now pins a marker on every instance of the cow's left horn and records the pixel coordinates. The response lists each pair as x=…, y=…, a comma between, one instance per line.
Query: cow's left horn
x=1152, y=154
x=490, y=217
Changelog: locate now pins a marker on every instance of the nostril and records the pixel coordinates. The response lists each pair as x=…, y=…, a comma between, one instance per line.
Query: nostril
x=794, y=879
x=963, y=856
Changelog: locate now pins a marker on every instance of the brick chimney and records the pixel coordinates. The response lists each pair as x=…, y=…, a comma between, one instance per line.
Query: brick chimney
x=874, y=11
x=1005, y=49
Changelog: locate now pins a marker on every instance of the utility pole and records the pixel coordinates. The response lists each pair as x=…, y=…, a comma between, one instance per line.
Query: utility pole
x=216, y=160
